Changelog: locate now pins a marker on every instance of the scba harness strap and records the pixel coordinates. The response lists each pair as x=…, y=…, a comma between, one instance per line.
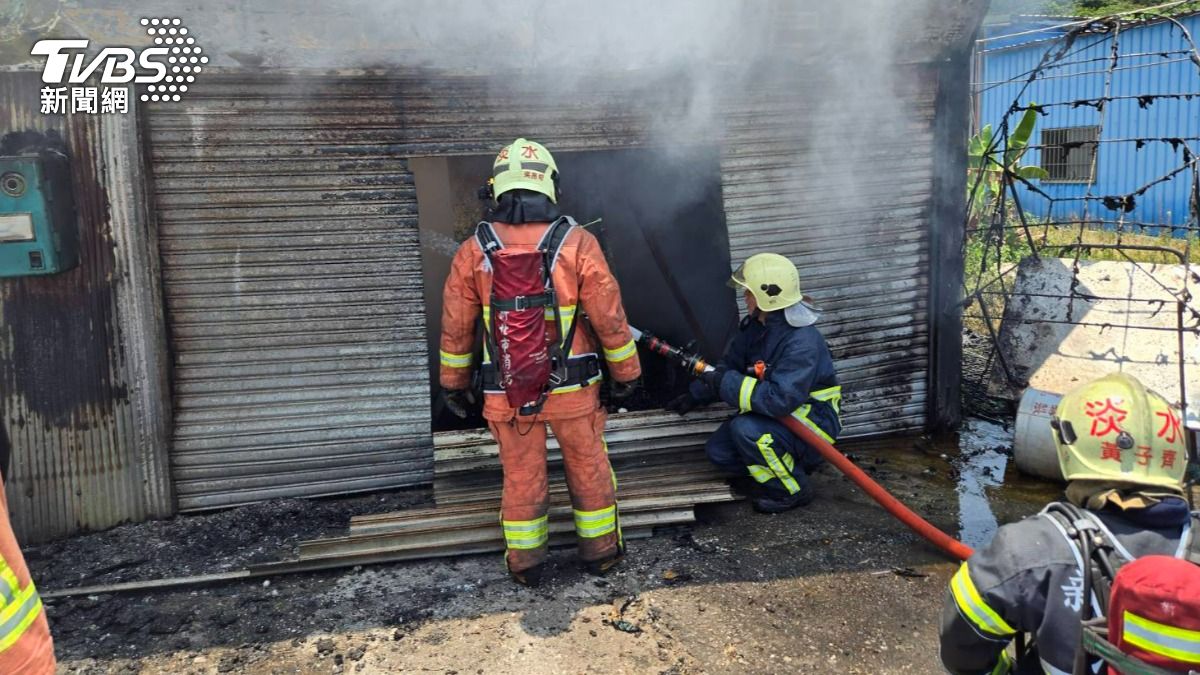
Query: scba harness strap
x=563, y=369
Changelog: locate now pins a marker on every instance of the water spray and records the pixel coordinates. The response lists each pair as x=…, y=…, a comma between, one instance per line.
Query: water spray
x=696, y=365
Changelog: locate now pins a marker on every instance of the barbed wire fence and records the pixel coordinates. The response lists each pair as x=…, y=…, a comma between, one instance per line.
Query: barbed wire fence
x=1028, y=219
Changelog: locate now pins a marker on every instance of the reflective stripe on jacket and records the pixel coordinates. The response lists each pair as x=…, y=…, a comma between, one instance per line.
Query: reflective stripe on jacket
x=582, y=282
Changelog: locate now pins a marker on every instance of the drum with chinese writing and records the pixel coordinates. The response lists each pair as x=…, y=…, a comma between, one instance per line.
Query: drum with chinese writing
x=1033, y=443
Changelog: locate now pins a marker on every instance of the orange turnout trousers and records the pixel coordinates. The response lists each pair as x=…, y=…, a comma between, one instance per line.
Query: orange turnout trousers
x=25, y=645
x=590, y=480
x=583, y=284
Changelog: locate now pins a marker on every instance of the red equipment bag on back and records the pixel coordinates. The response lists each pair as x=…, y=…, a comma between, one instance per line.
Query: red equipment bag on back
x=522, y=341
x=1154, y=612
x=527, y=354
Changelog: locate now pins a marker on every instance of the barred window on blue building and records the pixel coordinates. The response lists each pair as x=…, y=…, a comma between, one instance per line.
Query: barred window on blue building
x=1069, y=153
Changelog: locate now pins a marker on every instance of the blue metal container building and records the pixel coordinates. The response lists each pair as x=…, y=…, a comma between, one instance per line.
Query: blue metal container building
x=1154, y=58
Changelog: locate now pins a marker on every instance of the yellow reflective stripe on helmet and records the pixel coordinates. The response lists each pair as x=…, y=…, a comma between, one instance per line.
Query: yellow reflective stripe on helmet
x=972, y=606
x=760, y=473
x=455, y=360
x=18, y=615
x=1157, y=638
x=747, y=390
x=525, y=534
x=801, y=414
x=622, y=353
x=777, y=467
x=788, y=462
x=592, y=524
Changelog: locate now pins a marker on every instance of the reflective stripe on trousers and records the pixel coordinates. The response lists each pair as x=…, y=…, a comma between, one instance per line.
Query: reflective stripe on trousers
x=777, y=466
x=526, y=534
x=832, y=396
x=592, y=524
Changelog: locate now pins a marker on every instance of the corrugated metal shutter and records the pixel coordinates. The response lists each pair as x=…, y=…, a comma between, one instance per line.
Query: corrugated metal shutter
x=850, y=205
x=293, y=288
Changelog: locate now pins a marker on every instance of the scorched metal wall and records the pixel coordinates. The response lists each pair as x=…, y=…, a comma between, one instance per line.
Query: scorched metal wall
x=82, y=376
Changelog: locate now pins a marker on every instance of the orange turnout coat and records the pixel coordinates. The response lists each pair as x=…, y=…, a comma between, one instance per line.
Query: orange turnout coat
x=582, y=282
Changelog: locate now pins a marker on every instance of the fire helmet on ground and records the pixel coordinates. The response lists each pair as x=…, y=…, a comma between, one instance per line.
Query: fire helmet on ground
x=525, y=165
x=775, y=284
x=1115, y=429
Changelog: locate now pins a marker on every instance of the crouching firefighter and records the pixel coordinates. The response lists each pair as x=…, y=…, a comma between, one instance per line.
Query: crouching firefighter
x=777, y=365
x=546, y=297
x=1122, y=452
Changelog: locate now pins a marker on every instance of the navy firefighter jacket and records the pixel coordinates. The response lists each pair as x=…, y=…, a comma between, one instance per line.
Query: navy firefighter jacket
x=800, y=379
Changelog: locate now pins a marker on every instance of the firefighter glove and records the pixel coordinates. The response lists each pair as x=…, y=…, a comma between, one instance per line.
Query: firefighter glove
x=683, y=404
x=459, y=401
x=712, y=379
x=619, y=391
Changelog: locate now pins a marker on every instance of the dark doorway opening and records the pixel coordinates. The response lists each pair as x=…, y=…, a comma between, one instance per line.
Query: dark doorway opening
x=662, y=229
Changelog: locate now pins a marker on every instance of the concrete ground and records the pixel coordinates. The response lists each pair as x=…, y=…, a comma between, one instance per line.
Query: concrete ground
x=836, y=587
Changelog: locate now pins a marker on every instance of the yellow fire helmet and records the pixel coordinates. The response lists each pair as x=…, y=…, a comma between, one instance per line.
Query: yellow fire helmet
x=775, y=284
x=1115, y=429
x=525, y=165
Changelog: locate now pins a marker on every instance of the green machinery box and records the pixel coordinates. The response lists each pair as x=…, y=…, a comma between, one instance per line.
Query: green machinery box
x=39, y=234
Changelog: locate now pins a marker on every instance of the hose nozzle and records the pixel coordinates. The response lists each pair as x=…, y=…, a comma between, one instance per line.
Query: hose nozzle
x=693, y=363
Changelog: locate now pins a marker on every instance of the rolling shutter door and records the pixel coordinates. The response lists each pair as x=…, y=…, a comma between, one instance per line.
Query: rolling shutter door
x=850, y=204
x=292, y=278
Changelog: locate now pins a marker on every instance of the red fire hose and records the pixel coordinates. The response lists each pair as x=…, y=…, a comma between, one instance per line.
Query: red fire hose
x=950, y=545
x=894, y=506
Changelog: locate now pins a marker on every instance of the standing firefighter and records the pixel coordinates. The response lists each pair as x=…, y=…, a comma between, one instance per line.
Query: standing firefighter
x=534, y=276
x=1122, y=451
x=777, y=365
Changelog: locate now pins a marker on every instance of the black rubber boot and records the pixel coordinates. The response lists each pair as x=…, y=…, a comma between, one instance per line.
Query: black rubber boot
x=744, y=486
x=774, y=503
x=529, y=578
x=602, y=566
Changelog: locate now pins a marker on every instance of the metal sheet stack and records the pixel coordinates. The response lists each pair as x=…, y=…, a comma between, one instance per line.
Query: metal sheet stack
x=661, y=472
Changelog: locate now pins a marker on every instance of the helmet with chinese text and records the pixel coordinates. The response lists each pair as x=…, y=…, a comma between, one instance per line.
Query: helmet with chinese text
x=525, y=165
x=1115, y=429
